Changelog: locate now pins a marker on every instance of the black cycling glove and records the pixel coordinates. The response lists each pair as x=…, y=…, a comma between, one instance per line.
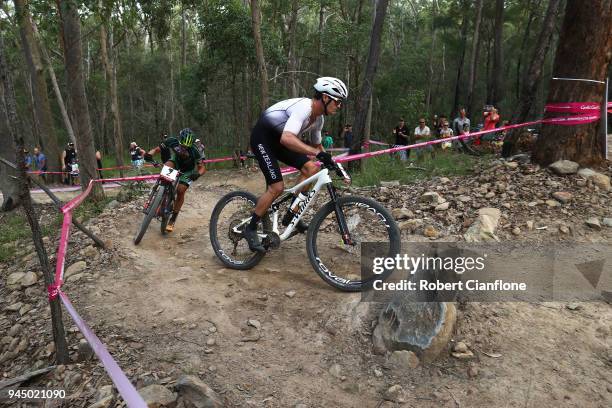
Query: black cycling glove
x=326, y=159
x=194, y=176
x=148, y=157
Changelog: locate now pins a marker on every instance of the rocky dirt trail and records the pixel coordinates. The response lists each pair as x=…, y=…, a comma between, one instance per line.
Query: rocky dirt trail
x=278, y=336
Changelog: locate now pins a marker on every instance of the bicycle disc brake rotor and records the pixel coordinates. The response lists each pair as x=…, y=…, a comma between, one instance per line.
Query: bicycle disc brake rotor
x=232, y=235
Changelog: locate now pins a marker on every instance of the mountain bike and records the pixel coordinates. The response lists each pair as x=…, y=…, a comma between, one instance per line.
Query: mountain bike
x=160, y=202
x=333, y=239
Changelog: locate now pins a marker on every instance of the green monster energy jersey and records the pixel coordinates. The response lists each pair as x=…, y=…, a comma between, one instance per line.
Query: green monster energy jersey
x=186, y=164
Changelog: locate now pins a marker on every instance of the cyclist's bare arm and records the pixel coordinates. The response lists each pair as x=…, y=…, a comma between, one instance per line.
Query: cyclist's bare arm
x=201, y=169
x=154, y=150
x=292, y=142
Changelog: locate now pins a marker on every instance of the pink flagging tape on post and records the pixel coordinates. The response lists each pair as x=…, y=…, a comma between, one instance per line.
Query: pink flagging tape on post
x=123, y=384
x=61, y=250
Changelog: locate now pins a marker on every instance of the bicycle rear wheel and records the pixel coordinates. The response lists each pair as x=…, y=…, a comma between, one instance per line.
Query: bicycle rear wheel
x=339, y=264
x=151, y=213
x=229, y=216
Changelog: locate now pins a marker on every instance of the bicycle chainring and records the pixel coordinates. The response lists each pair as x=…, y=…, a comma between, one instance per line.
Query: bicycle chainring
x=271, y=241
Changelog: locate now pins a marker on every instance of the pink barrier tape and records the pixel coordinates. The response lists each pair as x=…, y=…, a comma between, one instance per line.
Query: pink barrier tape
x=123, y=384
x=126, y=389
x=564, y=121
x=376, y=142
x=79, y=199
x=221, y=159
x=61, y=250
x=575, y=107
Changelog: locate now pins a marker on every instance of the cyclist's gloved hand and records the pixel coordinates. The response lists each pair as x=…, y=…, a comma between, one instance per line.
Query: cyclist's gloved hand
x=326, y=159
x=148, y=157
x=194, y=176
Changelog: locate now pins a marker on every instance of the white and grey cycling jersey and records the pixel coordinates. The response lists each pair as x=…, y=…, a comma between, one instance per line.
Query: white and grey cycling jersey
x=293, y=115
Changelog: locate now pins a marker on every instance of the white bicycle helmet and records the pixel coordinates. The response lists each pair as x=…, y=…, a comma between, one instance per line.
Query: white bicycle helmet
x=332, y=87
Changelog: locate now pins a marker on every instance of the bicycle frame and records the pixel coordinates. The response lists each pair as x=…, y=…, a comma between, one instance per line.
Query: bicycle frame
x=320, y=179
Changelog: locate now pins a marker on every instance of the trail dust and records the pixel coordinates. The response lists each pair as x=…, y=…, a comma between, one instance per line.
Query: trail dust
x=245, y=335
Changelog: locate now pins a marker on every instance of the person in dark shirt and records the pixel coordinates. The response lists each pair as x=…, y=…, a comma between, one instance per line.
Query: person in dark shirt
x=70, y=157
x=348, y=135
x=402, y=137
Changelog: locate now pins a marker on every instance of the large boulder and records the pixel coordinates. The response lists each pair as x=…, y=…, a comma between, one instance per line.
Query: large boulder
x=563, y=167
x=196, y=394
x=424, y=328
x=483, y=229
x=158, y=396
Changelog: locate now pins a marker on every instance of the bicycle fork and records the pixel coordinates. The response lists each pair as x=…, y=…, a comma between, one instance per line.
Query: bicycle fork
x=342, y=225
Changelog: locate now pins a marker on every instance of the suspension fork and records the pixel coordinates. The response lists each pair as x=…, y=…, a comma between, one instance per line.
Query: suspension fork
x=342, y=226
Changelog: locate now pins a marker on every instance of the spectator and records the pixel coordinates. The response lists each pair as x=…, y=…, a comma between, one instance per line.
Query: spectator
x=422, y=133
x=99, y=163
x=446, y=132
x=328, y=141
x=136, y=154
x=200, y=148
x=491, y=118
x=401, y=139
x=69, y=157
x=460, y=122
x=40, y=161
x=441, y=120
x=434, y=126
x=28, y=159
x=348, y=135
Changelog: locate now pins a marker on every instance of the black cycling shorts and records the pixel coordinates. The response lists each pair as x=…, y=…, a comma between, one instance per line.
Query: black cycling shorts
x=266, y=146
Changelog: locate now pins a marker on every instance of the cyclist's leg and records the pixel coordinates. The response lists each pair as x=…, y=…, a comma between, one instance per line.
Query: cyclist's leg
x=307, y=168
x=181, y=189
x=274, y=181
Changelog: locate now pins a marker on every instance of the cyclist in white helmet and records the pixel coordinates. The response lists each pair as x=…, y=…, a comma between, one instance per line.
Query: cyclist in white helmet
x=276, y=136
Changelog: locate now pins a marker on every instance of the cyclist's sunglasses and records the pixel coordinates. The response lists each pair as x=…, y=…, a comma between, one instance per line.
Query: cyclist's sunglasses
x=337, y=101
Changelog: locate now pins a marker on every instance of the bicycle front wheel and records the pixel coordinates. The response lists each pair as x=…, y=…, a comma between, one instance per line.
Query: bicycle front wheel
x=151, y=213
x=339, y=264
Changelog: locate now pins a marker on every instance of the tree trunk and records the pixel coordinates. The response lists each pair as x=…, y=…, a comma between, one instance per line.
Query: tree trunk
x=56, y=89
x=76, y=90
x=261, y=62
x=533, y=75
x=431, y=59
x=458, y=83
x=366, y=90
x=587, y=26
x=111, y=76
x=59, y=336
x=183, y=38
x=292, y=60
x=8, y=185
x=320, y=38
x=42, y=107
x=519, y=73
x=474, y=57
x=498, y=56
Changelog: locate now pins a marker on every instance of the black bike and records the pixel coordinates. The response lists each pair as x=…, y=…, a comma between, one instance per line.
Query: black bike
x=161, y=200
